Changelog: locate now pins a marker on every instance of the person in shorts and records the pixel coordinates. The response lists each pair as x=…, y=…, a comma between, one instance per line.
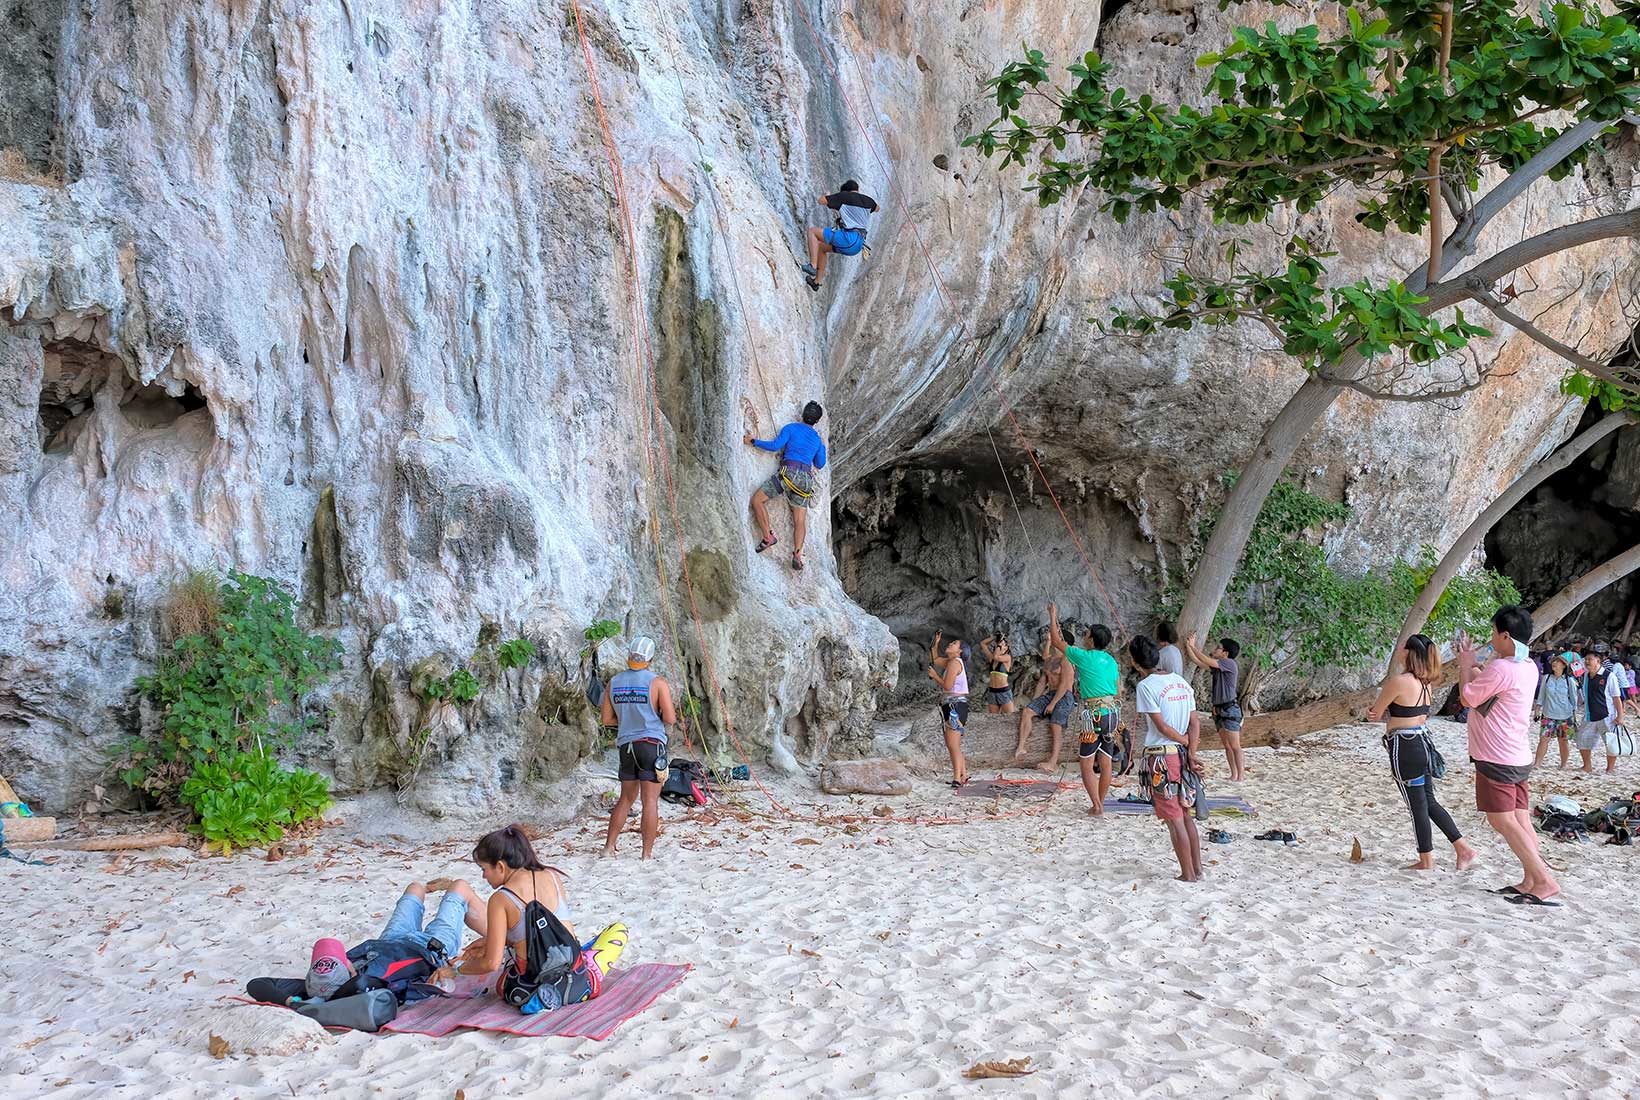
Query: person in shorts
x=1167, y=770
x=999, y=665
x=802, y=456
x=1226, y=705
x=1098, y=683
x=1559, y=701
x=851, y=211
x=1499, y=696
x=1055, y=699
x=638, y=704
x=948, y=668
x=1602, y=708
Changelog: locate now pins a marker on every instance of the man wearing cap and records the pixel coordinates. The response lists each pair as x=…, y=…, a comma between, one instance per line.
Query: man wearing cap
x=1500, y=697
x=638, y=704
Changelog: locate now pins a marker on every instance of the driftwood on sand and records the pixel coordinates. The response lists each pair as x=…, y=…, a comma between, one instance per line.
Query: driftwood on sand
x=131, y=843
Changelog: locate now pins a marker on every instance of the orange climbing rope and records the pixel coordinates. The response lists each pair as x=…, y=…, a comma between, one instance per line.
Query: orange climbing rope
x=645, y=355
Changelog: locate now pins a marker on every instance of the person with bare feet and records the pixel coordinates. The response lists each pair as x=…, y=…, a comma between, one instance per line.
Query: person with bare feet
x=948, y=668
x=1098, y=683
x=999, y=662
x=638, y=704
x=1055, y=699
x=1403, y=706
x=1499, y=697
x=1172, y=731
x=1226, y=704
x=802, y=456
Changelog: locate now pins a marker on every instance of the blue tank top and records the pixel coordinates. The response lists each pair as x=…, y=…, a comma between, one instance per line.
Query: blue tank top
x=635, y=715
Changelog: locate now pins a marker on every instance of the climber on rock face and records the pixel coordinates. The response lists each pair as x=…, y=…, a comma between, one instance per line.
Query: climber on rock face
x=802, y=453
x=846, y=237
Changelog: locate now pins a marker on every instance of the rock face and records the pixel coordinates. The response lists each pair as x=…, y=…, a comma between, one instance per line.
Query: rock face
x=341, y=296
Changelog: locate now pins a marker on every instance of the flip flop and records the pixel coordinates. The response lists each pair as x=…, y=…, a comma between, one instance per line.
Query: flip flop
x=1504, y=891
x=797, y=563
x=1524, y=898
x=1218, y=836
x=1272, y=834
x=765, y=544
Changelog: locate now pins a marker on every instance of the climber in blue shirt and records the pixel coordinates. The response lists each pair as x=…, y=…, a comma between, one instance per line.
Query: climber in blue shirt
x=802, y=454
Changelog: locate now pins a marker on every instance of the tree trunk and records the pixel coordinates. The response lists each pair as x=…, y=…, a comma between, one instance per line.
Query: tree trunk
x=1568, y=599
x=1459, y=552
x=1241, y=508
x=1282, y=438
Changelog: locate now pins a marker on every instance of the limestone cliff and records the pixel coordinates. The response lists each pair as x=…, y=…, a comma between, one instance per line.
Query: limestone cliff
x=336, y=291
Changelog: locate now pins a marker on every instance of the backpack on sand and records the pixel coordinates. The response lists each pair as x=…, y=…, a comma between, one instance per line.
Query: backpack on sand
x=686, y=783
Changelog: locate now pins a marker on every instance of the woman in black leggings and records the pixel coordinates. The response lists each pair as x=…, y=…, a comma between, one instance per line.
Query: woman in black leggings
x=1403, y=706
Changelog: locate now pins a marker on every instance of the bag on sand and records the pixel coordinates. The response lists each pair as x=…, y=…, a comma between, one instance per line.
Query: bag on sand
x=686, y=782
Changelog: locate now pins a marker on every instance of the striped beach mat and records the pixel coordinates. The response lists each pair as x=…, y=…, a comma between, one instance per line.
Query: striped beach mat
x=627, y=992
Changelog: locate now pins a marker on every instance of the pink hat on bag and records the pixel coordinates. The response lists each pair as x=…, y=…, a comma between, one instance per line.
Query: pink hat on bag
x=329, y=969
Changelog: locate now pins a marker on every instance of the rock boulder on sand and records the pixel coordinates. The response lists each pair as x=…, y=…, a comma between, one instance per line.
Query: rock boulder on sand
x=865, y=777
x=253, y=1029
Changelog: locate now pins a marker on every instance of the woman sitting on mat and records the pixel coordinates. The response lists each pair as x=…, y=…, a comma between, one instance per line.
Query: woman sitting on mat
x=510, y=866
x=948, y=668
x=1403, y=706
x=999, y=694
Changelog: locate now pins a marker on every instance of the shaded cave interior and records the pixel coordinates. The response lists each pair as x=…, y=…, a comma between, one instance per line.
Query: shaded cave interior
x=1580, y=517
x=937, y=544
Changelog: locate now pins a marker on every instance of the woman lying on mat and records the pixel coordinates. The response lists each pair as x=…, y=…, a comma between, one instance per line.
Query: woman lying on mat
x=567, y=974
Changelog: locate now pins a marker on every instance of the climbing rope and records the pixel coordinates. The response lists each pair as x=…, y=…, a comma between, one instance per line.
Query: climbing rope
x=656, y=455
x=945, y=297
x=1010, y=485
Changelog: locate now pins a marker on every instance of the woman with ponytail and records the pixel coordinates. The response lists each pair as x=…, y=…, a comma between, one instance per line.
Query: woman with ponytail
x=511, y=868
x=1403, y=706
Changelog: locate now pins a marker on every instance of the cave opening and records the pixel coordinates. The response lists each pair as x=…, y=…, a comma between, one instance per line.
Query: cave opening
x=1578, y=518
x=76, y=371
x=938, y=545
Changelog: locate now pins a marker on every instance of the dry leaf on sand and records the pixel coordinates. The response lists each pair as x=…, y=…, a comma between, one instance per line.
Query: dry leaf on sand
x=1013, y=1067
x=805, y=840
x=218, y=1046
x=1356, y=855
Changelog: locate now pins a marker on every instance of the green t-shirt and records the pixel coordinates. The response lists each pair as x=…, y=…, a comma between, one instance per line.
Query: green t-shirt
x=1096, y=672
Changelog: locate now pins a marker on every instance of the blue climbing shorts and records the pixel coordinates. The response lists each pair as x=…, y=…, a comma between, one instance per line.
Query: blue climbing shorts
x=845, y=242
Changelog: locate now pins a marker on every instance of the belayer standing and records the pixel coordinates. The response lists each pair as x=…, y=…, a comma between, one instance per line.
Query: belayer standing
x=802, y=455
x=638, y=704
x=846, y=236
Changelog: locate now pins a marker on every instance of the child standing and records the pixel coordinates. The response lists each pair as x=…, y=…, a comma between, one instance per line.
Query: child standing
x=1558, y=703
x=1226, y=707
x=1172, y=730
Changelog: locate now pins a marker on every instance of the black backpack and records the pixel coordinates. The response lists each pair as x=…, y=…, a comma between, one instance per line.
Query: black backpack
x=687, y=782
x=399, y=966
x=551, y=957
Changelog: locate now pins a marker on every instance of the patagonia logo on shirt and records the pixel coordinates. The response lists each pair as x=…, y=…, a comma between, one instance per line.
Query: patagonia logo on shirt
x=629, y=694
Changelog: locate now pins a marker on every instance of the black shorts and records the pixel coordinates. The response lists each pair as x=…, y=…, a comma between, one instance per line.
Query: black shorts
x=1100, y=736
x=644, y=761
x=1227, y=716
x=954, y=713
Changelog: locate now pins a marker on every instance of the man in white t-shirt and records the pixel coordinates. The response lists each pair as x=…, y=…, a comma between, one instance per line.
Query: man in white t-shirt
x=1166, y=769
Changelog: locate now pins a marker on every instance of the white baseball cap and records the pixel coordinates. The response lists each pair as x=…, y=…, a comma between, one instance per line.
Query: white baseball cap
x=641, y=649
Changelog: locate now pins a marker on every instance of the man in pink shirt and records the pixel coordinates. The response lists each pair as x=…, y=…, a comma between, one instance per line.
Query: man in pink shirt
x=1499, y=697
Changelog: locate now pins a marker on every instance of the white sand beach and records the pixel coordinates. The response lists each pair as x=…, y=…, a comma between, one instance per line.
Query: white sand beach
x=882, y=960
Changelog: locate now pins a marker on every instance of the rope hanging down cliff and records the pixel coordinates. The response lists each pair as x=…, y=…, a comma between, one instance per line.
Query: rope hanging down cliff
x=945, y=299
x=645, y=355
